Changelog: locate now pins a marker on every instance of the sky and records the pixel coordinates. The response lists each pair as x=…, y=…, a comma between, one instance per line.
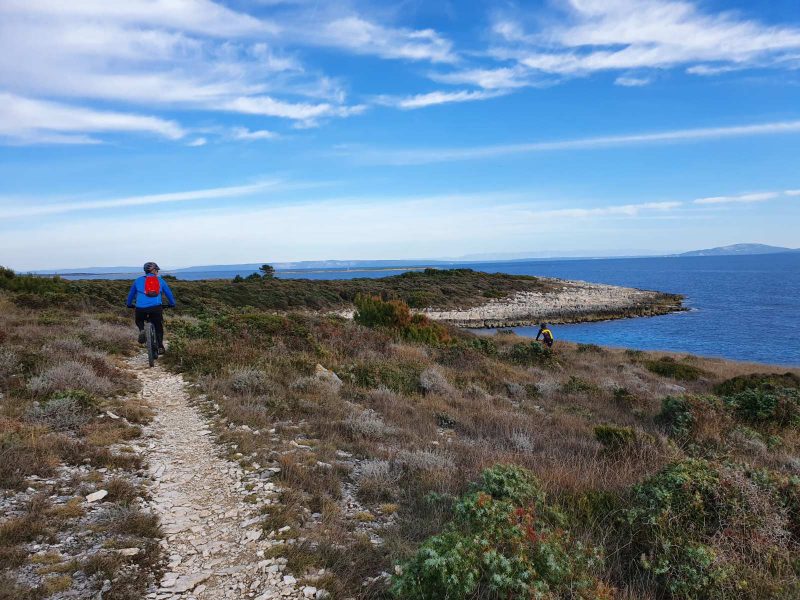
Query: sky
x=225, y=131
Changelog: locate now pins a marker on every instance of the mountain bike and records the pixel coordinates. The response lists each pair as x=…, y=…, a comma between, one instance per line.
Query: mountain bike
x=151, y=341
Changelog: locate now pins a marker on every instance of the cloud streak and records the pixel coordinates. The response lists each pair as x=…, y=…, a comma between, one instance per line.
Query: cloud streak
x=239, y=191
x=436, y=98
x=425, y=155
x=24, y=120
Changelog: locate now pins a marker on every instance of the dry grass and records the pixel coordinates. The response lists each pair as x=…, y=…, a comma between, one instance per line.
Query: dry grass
x=58, y=375
x=424, y=421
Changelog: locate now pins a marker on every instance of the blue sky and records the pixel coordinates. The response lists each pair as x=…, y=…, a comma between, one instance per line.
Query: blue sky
x=200, y=131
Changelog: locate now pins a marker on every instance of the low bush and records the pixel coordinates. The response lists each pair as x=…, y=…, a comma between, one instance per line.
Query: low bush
x=248, y=380
x=70, y=375
x=576, y=385
x=530, y=354
x=765, y=406
x=702, y=530
x=613, y=437
x=65, y=411
x=669, y=367
x=395, y=316
x=693, y=416
x=432, y=381
x=594, y=348
x=503, y=542
x=759, y=381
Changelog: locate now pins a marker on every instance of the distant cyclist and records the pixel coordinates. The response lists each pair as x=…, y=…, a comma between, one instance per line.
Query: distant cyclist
x=546, y=335
x=146, y=291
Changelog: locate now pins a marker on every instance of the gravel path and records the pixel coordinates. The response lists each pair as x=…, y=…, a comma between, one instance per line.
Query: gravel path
x=213, y=540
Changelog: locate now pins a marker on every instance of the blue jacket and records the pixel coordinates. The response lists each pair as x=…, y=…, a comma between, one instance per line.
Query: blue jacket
x=142, y=301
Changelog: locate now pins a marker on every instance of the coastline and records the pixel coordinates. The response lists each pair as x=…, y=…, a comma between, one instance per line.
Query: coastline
x=571, y=302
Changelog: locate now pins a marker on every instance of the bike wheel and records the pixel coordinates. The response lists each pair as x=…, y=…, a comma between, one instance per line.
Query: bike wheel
x=150, y=342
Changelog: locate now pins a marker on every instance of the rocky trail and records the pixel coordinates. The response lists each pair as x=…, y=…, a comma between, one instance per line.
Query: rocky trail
x=211, y=509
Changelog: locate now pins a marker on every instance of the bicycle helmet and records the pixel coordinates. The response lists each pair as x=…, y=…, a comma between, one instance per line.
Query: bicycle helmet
x=149, y=267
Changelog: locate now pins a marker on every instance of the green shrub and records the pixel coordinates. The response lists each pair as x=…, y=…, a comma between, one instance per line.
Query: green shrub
x=705, y=530
x=485, y=346
x=669, y=367
x=767, y=381
x=672, y=511
x=530, y=353
x=676, y=415
x=681, y=415
x=395, y=316
x=576, y=385
x=589, y=348
x=762, y=406
x=502, y=543
x=613, y=437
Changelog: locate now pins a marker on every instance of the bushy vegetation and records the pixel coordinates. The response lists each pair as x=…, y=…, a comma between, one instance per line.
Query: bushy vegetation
x=504, y=542
x=703, y=530
x=669, y=367
x=395, y=317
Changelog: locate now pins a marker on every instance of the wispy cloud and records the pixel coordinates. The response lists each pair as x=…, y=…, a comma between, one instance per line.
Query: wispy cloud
x=358, y=35
x=616, y=35
x=16, y=209
x=190, y=55
x=742, y=198
x=426, y=155
x=434, y=98
x=501, y=78
x=24, y=120
x=627, y=81
x=242, y=133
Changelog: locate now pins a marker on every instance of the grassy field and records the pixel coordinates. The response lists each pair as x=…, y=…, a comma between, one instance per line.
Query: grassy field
x=420, y=461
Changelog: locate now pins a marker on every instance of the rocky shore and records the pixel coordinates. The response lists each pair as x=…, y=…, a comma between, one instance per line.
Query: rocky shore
x=568, y=302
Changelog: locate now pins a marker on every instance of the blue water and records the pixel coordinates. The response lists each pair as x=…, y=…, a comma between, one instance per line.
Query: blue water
x=742, y=307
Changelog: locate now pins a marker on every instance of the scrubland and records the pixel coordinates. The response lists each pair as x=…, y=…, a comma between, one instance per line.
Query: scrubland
x=69, y=427
x=420, y=461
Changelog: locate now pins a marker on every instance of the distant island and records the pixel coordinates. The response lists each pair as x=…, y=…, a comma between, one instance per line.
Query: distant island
x=739, y=250
x=230, y=270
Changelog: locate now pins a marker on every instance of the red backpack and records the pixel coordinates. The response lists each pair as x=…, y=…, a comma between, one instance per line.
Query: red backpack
x=152, y=286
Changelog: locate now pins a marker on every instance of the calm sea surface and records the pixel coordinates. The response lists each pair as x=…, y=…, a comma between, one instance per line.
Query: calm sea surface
x=742, y=307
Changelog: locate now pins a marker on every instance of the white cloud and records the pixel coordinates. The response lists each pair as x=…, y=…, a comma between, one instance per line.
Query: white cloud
x=242, y=133
x=197, y=16
x=741, y=198
x=792, y=192
x=197, y=142
x=267, y=106
x=503, y=78
x=434, y=98
x=185, y=54
x=426, y=155
x=13, y=208
x=364, y=37
x=632, y=81
x=609, y=35
x=35, y=121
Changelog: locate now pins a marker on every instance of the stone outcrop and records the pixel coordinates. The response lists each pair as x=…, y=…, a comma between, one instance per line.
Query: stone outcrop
x=571, y=302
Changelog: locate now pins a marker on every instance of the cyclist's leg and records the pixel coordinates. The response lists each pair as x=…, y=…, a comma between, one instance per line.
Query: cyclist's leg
x=157, y=319
x=139, y=316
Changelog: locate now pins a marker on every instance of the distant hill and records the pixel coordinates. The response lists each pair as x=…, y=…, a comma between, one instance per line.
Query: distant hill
x=739, y=249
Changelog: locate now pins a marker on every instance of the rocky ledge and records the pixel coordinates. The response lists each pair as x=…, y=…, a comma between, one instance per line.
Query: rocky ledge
x=570, y=302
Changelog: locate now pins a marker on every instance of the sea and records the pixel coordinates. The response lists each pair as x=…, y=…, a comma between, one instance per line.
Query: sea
x=740, y=307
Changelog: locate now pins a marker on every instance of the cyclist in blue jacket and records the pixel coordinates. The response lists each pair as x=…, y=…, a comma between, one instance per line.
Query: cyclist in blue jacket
x=146, y=292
